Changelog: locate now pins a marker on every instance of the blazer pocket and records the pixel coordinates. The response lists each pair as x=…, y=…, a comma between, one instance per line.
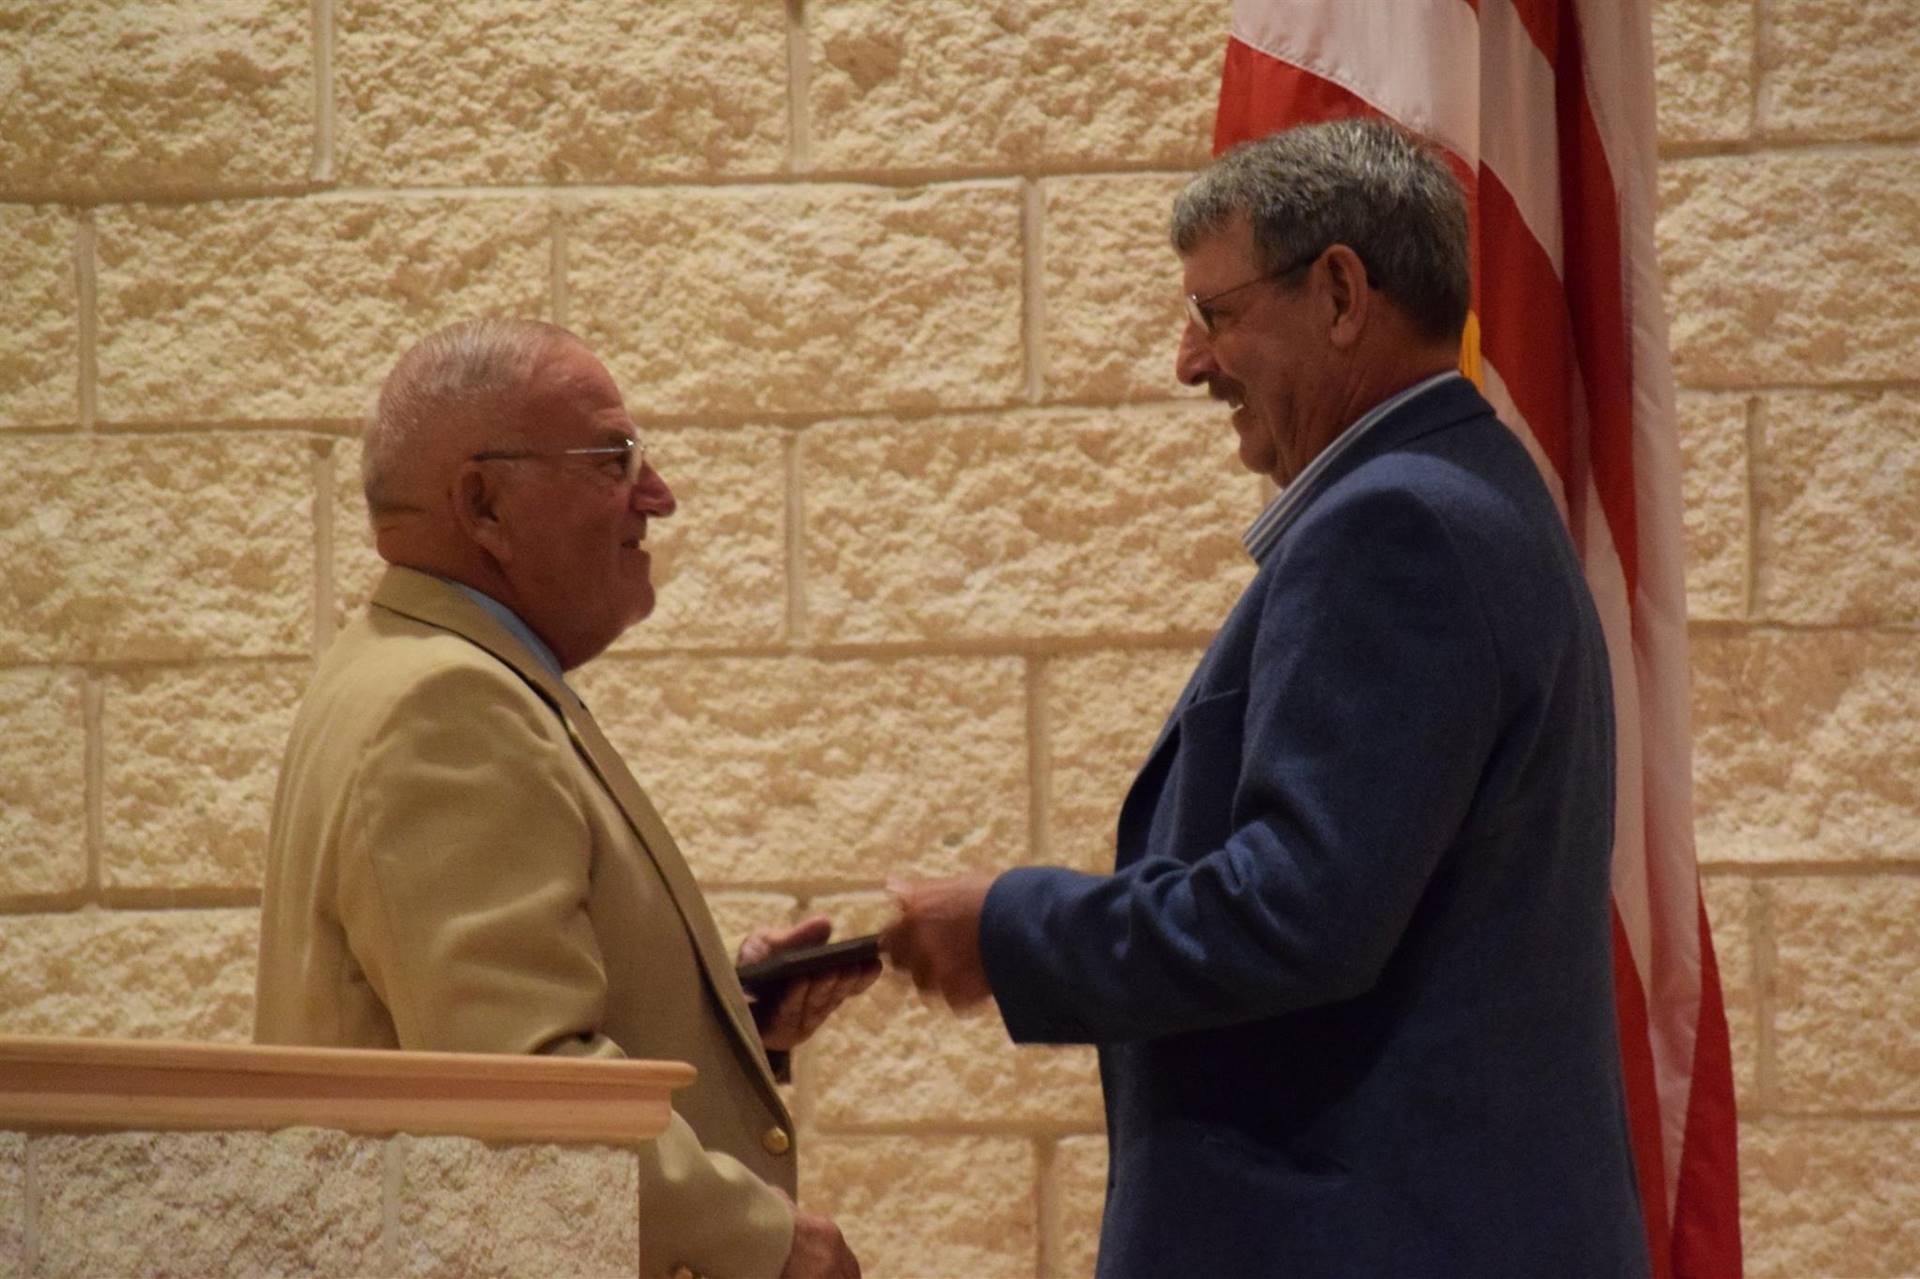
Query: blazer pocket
x=1206, y=770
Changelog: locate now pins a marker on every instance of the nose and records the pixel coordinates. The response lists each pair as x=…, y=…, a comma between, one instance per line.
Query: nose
x=1193, y=363
x=651, y=496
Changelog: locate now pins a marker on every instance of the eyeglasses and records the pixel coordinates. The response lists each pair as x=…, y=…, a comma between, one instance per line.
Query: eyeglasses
x=623, y=461
x=1200, y=310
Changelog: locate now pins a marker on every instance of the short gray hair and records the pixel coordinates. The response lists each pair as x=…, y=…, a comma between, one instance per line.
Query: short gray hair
x=1367, y=184
x=446, y=373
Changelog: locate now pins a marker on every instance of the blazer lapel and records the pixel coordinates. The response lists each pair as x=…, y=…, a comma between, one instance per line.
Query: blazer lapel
x=428, y=599
x=674, y=872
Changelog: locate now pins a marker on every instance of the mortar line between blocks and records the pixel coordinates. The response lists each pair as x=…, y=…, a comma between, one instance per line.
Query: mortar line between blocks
x=323, y=118
x=1760, y=921
x=1046, y=1208
x=323, y=542
x=799, y=84
x=1033, y=312
x=1755, y=426
x=87, y=298
x=94, y=787
x=795, y=531
x=1039, y=759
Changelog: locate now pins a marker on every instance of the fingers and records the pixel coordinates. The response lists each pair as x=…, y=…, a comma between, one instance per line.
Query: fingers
x=769, y=940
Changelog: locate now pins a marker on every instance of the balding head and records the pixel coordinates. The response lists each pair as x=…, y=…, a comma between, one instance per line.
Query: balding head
x=449, y=396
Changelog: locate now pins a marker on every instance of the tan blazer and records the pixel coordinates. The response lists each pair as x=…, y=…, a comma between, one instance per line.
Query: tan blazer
x=459, y=861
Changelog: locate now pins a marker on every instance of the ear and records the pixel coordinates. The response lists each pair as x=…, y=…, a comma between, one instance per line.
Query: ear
x=476, y=508
x=1350, y=294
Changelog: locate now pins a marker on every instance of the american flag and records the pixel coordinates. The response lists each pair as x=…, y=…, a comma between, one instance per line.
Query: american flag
x=1546, y=110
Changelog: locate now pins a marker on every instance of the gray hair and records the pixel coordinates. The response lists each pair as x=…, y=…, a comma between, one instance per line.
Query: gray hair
x=446, y=374
x=1367, y=184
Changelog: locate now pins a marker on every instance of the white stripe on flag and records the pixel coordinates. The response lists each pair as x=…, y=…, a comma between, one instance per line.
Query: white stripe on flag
x=1516, y=83
x=1414, y=60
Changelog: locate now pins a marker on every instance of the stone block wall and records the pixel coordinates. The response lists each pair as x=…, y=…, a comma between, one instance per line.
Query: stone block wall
x=885, y=286
x=314, y=1202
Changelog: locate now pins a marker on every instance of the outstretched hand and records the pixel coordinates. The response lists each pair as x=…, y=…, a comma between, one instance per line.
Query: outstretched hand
x=937, y=936
x=807, y=1001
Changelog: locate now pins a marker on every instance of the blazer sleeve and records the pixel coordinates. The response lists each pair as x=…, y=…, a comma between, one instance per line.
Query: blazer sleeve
x=464, y=874
x=1371, y=704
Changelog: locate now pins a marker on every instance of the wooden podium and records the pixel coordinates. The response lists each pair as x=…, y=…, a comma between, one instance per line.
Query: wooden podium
x=327, y=1161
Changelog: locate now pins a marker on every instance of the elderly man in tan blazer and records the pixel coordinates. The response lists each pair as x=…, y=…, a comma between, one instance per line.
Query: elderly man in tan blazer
x=459, y=861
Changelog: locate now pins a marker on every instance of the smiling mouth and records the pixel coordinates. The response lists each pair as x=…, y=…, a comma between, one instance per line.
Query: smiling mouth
x=1233, y=397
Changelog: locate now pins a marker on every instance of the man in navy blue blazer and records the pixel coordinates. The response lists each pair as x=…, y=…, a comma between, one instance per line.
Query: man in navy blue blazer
x=1350, y=978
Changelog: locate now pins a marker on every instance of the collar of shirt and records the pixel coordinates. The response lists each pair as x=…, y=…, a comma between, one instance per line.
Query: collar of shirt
x=517, y=628
x=1289, y=502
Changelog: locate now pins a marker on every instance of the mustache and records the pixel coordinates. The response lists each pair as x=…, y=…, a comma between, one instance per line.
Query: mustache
x=1224, y=389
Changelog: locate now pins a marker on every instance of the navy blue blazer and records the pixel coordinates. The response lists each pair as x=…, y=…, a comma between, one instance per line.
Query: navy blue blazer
x=1351, y=979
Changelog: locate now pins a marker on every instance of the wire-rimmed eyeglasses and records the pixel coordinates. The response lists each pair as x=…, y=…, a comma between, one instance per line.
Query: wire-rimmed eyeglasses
x=623, y=461
x=1200, y=310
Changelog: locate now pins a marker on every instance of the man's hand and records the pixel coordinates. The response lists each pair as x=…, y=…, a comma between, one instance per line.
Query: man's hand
x=807, y=1001
x=819, y=1251
x=937, y=937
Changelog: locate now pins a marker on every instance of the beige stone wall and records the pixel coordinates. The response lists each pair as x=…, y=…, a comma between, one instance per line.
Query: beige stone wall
x=318, y=1203
x=885, y=284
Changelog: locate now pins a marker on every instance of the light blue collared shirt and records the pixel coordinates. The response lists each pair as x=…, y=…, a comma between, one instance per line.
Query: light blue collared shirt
x=1290, y=501
x=516, y=628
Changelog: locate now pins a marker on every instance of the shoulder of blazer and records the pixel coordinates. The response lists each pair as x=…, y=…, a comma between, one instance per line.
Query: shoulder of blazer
x=429, y=600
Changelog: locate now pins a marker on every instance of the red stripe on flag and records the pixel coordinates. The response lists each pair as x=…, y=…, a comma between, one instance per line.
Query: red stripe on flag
x=1524, y=332
x=1593, y=280
x=1261, y=95
x=1595, y=283
x=1706, y=1237
x=1643, y=1100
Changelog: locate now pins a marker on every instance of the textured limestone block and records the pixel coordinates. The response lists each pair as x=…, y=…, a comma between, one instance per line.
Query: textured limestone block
x=914, y=1207
x=1830, y=1197
x=13, y=1199
x=738, y=914
x=889, y=1059
x=1004, y=85
x=43, y=783
x=1806, y=746
x=40, y=346
x=1111, y=287
x=802, y=299
x=164, y=974
x=301, y=1201
x=1787, y=267
x=282, y=310
x=1049, y=523
x=1731, y=903
x=1703, y=62
x=538, y=91
x=1103, y=713
x=156, y=548
x=1077, y=1187
x=190, y=758
x=1844, y=70
x=1846, y=993
x=1713, y=496
x=165, y=97
x=779, y=769
x=720, y=561
x=1837, y=496
x=356, y=564
x=468, y=1208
